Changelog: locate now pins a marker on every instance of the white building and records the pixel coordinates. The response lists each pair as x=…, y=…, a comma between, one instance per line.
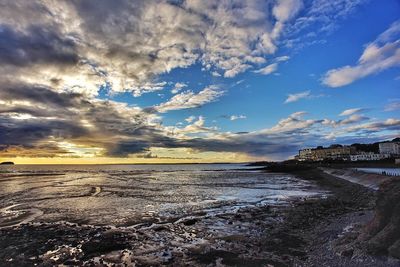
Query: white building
x=389, y=148
x=366, y=156
x=305, y=154
x=328, y=153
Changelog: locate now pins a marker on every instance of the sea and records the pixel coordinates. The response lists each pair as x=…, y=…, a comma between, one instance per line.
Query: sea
x=127, y=195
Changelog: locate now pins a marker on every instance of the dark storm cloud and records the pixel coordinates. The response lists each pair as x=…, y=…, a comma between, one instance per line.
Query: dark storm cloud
x=15, y=132
x=37, y=44
x=124, y=148
x=24, y=110
x=118, y=129
x=203, y=145
x=37, y=118
x=37, y=94
x=46, y=150
x=62, y=116
x=269, y=145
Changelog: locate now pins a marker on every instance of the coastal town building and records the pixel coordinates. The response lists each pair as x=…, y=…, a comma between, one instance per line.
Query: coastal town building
x=367, y=156
x=330, y=153
x=391, y=148
x=355, y=152
x=305, y=154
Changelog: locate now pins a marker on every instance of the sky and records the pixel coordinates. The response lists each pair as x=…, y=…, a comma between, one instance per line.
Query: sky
x=127, y=81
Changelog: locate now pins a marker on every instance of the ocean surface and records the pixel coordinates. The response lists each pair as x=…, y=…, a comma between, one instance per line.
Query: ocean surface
x=129, y=195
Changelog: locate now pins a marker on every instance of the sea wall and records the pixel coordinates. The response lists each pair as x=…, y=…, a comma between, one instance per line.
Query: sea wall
x=370, y=180
x=382, y=234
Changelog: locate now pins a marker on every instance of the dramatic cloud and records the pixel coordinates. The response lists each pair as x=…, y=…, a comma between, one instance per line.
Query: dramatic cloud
x=189, y=99
x=37, y=117
x=81, y=45
x=378, y=56
x=39, y=122
x=35, y=45
x=62, y=61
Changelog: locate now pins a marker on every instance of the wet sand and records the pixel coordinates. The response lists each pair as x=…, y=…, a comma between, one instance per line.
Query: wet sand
x=309, y=232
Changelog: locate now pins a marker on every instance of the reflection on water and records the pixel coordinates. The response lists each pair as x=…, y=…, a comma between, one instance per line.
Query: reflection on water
x=132, y=194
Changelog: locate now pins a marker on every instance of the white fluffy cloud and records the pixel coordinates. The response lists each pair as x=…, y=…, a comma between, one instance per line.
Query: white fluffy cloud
x=237, y=117
x=129, y=44
x=350, y=111
x=325, y=14
x=190, y=119
x=178, y=87
x=353, y=119
x=59, y=53
x=378, y=56
x=296, y=97
x=393, y=105
x=282, y=58
x=302, y=95
x=294, y=122
x=189, y=99
x=268, y=69
x=283, y=11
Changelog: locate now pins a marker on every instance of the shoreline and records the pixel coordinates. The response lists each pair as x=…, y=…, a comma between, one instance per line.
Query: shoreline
x=331, y=237
x=309, y=232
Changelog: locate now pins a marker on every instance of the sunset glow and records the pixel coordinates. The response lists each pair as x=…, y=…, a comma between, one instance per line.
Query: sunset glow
x=194, y=81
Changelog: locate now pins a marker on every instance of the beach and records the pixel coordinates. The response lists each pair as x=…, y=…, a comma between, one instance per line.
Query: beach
x=304, y=217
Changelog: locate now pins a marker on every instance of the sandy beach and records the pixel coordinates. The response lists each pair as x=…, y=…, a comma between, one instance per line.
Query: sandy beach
x=311, y=231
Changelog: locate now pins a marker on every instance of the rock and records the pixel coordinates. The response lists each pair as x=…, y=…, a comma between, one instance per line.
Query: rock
x=190, y=222
x=383, y=232
x=160, y=228
x=394, y=250
x=7, y=163
x=107, y=242
x=347, y=253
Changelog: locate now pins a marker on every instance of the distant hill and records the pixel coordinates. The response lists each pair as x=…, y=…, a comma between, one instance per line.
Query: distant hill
x=367, y=147
x=374, y=147
x=7, y=163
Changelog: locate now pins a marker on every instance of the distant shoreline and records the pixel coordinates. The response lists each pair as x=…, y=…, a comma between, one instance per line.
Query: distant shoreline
x=83, y=164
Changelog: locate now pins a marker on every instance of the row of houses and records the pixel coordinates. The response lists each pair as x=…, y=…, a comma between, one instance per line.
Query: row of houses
x=349, y=153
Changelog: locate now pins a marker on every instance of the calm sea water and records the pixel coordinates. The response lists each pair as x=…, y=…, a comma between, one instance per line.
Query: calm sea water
x=131, y=194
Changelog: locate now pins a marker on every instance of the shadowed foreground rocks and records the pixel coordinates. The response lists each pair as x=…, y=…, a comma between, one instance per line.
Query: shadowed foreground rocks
x=382, y=234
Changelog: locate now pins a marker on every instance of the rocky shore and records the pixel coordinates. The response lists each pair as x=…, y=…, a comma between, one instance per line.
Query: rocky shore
x=310, y=232
x=355, y=226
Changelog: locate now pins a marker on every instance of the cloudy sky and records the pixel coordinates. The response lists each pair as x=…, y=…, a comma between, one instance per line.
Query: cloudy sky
x=99, y=81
